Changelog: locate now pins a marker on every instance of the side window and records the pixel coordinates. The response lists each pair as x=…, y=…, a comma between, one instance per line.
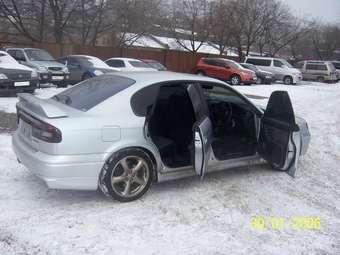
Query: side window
x=220, y=94
x=278, y=63
x=144, y=99
x=72, y=62
x=259, y=62
x=116, y=63
x=19, y=55
x=310, y=67
x=210, y=62
x=322, y=67
x=221, y=64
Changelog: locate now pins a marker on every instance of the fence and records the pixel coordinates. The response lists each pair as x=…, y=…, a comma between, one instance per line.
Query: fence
x=178, y=61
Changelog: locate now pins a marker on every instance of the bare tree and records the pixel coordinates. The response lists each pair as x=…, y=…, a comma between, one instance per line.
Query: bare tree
x=62, y=11
x=222, y=25
x=20, y=15
x=191, y=23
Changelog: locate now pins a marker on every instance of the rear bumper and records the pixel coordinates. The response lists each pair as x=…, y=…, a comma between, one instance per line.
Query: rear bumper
x=76, y=172
x=9, y=86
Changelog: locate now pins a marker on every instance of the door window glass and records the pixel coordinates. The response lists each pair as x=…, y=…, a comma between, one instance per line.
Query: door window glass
x=115, y=63
x=278, y=63
x=259, y=62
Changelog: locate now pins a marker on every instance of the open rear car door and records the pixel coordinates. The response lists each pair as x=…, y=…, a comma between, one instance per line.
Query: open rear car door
x=279, y=139
x=202, y=131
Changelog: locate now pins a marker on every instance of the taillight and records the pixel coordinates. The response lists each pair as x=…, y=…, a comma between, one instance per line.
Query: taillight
x=40, y=129
x=46, y=133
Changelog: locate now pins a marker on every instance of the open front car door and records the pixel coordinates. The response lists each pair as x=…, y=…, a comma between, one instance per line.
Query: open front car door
x=202, y=131
x=279, y=139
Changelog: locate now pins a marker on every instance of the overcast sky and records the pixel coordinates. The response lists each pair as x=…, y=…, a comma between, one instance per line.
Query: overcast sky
x=327, y=10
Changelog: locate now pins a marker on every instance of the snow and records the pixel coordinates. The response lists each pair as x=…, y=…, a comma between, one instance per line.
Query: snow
x=142, y=41
x=187, y=216
x=8, y=62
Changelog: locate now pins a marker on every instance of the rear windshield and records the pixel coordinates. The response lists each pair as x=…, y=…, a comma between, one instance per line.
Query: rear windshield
x=92, y=92
x=139, y=64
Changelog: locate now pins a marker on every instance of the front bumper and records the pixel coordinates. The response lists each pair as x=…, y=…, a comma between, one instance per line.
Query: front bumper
x=17, y=86
x=57, y=78
x=76, y=172
x=297, y=78
x=249, y=80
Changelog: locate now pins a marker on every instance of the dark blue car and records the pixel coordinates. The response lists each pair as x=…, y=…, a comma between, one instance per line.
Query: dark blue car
x=82, y=67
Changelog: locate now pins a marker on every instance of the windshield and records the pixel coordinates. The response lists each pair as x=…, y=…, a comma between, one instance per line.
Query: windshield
x=38, y=55
x=157, y=66
x=251, y=67
x=93, y=62
x=139, y=64
x=286, y=63
x=92, y=92
x=234, y=64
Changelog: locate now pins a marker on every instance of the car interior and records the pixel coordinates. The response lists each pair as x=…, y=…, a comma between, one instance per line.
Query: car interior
x=172, y=119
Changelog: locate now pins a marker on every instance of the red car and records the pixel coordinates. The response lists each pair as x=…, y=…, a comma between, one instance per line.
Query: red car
x=226, y=70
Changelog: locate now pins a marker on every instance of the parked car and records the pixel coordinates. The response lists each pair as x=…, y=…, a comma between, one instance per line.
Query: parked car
x=226, y=70
x=15, y=77
x=321, y=71
x=263, y=77
x=336, y=64
x=49, y=70
x=120, y=132
x=154, y=64
x=282, y=70
x=83, y=67
x=129, y=64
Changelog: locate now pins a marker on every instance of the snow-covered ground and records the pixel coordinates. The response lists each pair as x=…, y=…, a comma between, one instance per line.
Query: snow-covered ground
x=188, y=216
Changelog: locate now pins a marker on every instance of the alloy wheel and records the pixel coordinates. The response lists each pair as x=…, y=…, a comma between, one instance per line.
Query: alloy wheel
x=130, y=176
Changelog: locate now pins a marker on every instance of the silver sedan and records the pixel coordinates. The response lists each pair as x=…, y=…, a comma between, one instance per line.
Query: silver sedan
x=121, y=132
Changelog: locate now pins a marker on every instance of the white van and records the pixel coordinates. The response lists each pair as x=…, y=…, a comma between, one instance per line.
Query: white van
x=282, y=70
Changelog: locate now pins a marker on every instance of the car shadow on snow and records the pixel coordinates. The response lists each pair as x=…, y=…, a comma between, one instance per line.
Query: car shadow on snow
x=38, y=189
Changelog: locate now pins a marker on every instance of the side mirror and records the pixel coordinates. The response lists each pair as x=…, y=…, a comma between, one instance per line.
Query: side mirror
x=227, y=67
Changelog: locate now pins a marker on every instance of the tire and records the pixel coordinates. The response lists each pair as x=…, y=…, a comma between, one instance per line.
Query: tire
x=235, y=80
x=130, y=183
x=86, y=77
x=200, y=73
x=320, y=79
x=259, y=80
x=288, y=80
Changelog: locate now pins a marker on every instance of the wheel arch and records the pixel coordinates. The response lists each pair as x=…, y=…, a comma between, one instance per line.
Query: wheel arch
x=147, y=151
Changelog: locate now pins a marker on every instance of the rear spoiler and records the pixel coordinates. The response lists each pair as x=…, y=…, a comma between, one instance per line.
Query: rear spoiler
x=39, y=106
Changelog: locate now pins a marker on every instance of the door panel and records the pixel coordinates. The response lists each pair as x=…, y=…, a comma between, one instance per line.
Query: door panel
x=202, y=145
x=202, y=130
x=276, y=144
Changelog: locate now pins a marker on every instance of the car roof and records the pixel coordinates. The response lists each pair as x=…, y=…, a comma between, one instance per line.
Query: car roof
x=22, y=48
x=317, y=62
x=79, y=56
x=261, y=57
x=127, y=59
x=151, y=77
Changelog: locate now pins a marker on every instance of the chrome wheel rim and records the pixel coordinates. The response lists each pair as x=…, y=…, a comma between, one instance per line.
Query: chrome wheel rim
x=235, y=80
x=130, y=176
